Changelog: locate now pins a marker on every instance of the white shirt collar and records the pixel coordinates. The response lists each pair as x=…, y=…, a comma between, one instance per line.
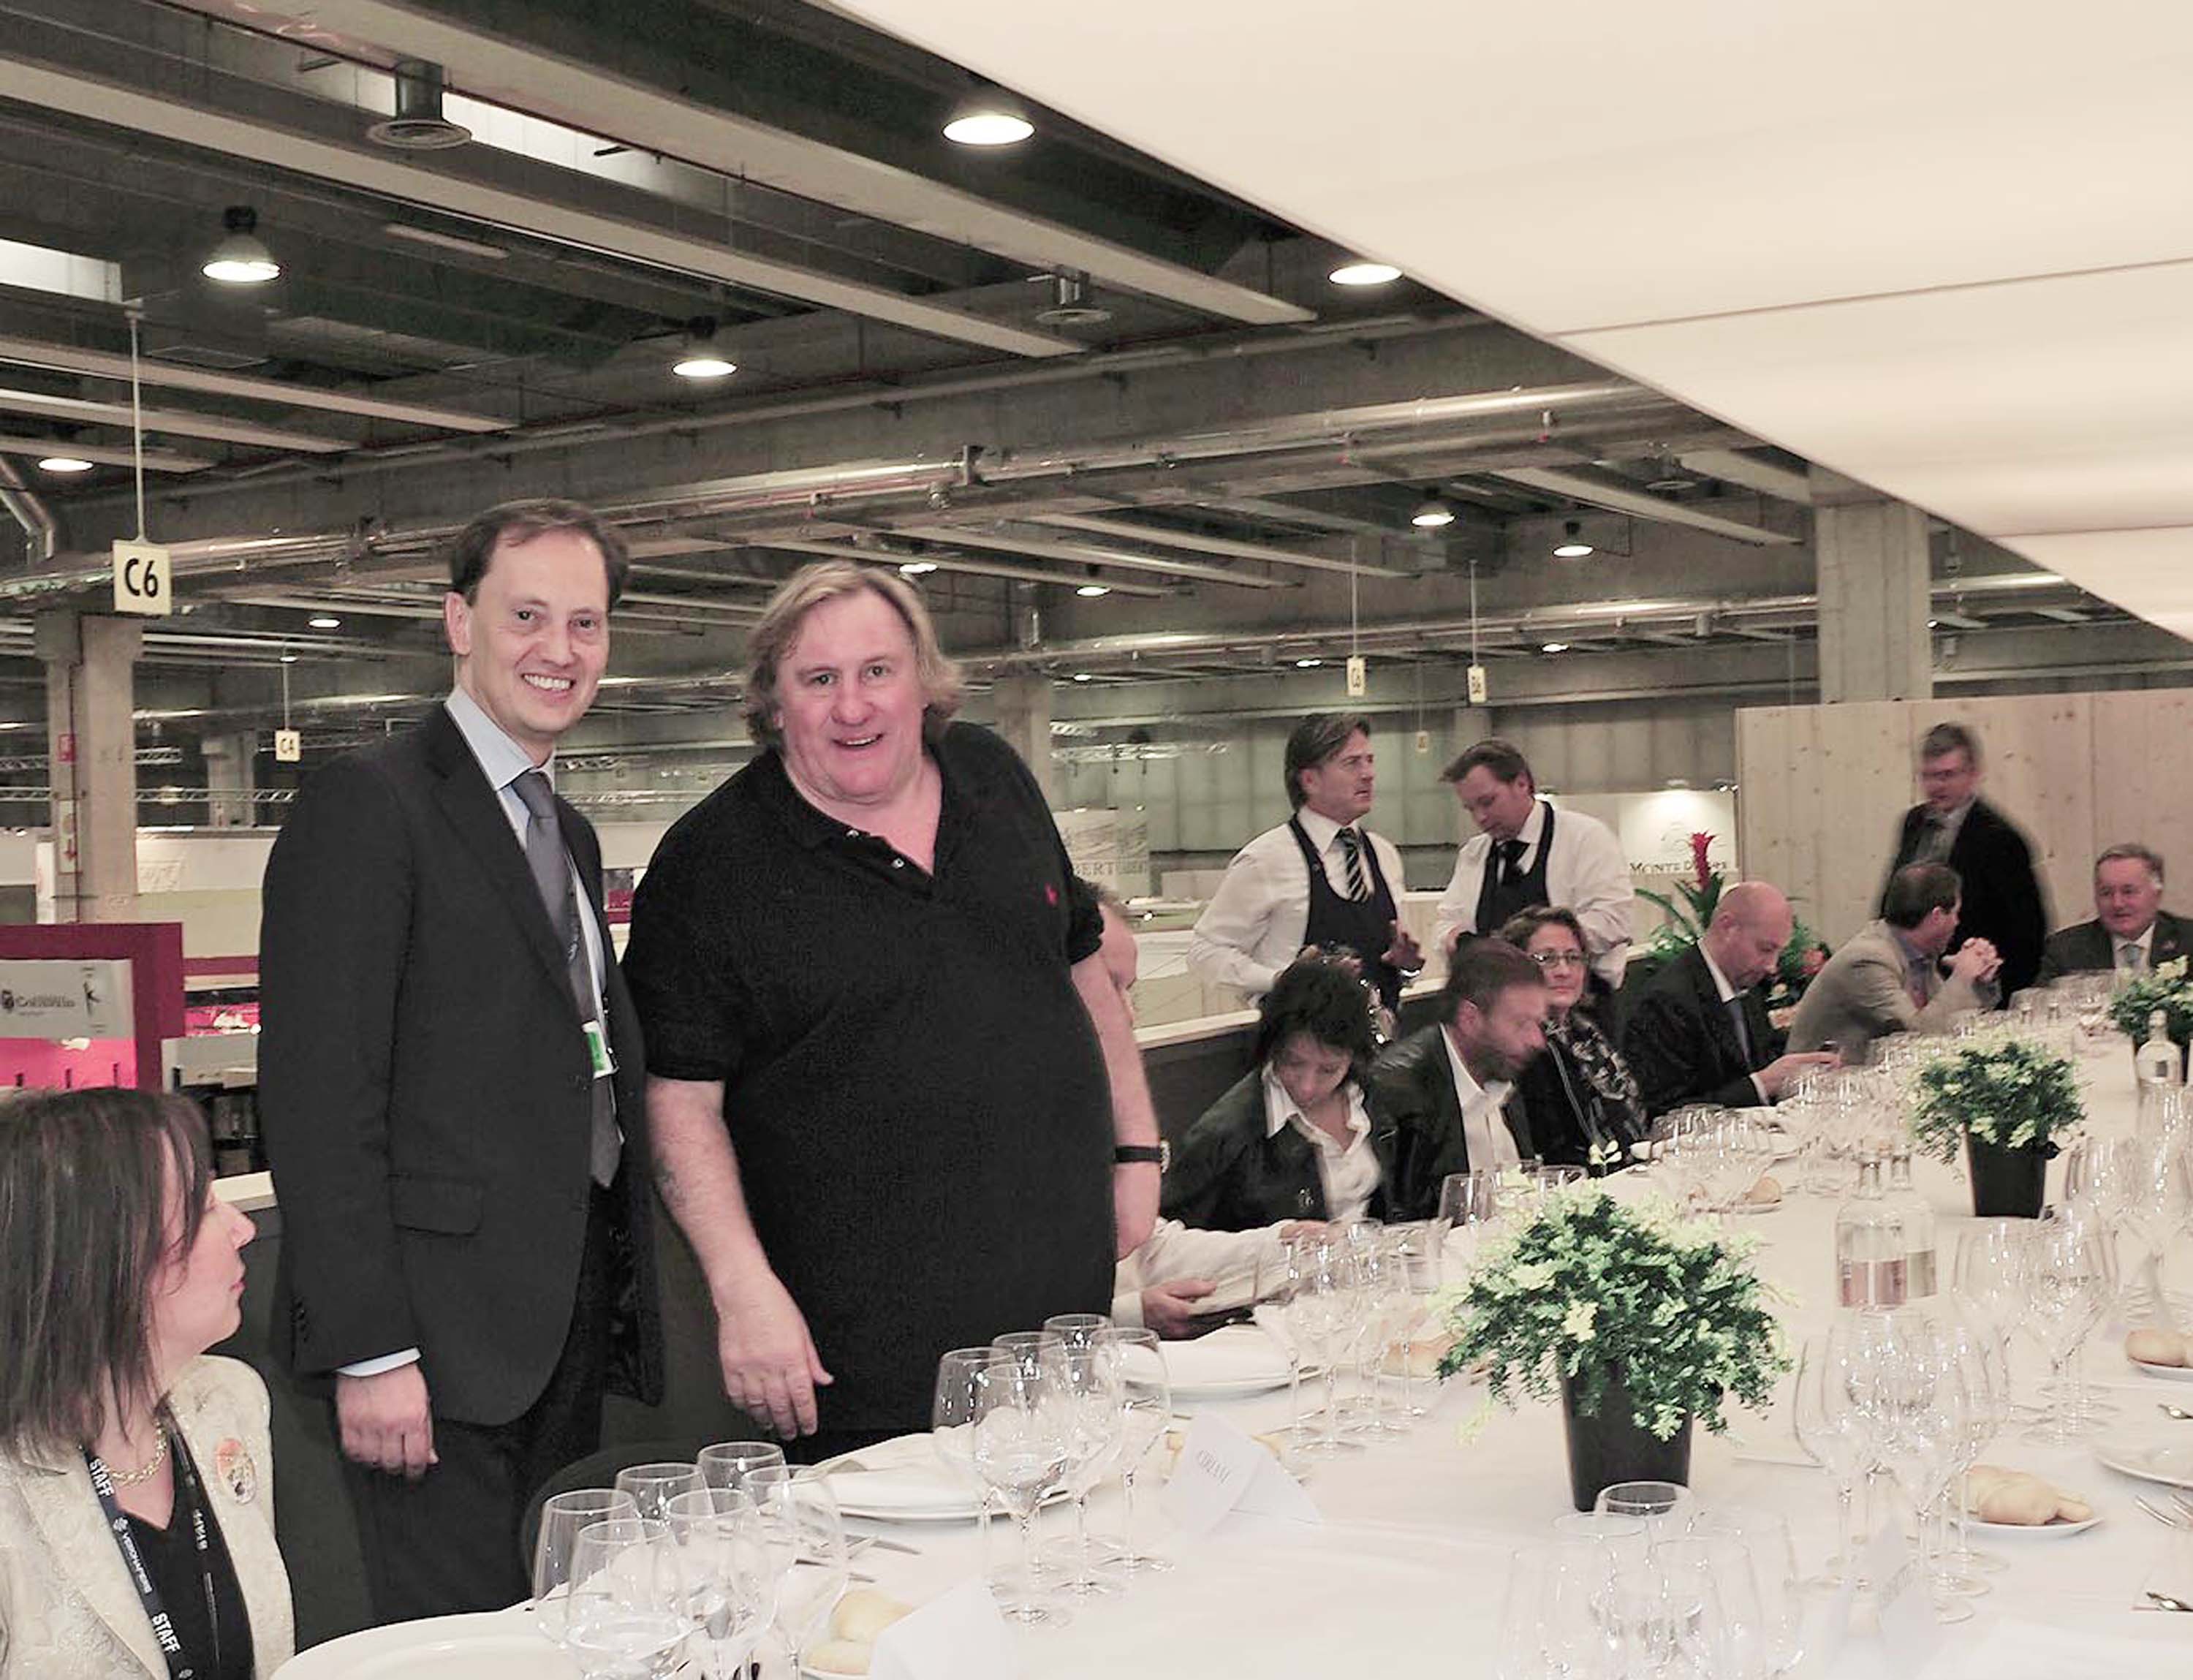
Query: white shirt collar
x=1321, y=830
x=1281, y=1112
x=500, y=758
x=2145, y=941
x=1728, y=992
x=1534, y=825
x=1467, y=1090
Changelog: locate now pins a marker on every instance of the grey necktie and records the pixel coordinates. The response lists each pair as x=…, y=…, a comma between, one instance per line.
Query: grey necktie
x=552, y=879
x=1351, y=849
x=1742, y=1032
x=2128, y=958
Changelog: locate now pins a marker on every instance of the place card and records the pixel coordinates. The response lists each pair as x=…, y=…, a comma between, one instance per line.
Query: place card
x=1221, y=1471
x=956, y=1636
x=1910, y=1634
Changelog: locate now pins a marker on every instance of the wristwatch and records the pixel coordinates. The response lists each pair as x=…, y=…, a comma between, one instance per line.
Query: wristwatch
x=1159, y=1155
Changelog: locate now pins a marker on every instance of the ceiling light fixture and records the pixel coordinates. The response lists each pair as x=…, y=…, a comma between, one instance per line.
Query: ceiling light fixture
x=444, y=242
x=64, y=463
x=1553, y=647
x=1081, y=676
x=1572, y=547
x=288, y=659
x=324, y=621
x=988, y=116
x=702, y=359
x=1365, y=274
x=1305, y=664
x=240, y=259
x=1089, y=592
x=917, y=568
x=1431, y=513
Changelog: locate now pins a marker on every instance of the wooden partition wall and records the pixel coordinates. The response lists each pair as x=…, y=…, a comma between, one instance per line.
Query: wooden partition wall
x=1821, y=788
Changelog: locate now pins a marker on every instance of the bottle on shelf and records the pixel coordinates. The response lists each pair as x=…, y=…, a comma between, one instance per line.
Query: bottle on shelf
x=1872, y=1256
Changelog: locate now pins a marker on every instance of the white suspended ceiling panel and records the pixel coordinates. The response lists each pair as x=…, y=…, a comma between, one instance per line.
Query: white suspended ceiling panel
x=1946, y=250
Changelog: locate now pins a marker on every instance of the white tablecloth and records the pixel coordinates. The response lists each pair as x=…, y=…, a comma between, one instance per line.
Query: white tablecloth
x=1409, y=1567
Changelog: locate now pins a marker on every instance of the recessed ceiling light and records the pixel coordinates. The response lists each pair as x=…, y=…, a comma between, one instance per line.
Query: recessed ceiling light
x=988, y=116
x=917, y=568
x=1364, y=274
x=1553, y=647
x=1091, y=591
x=1572, y=547
x=1081, y=676
x=64, y=463
x=1932, y=624
x=240, y=259
x=1431, y=514
x=324, y=621
x=1305, y=664
x=288, y=659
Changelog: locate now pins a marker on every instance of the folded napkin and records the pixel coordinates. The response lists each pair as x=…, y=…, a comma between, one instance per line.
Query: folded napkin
x=1993, y=1494
x=1240, y=1353
x=904, y=1474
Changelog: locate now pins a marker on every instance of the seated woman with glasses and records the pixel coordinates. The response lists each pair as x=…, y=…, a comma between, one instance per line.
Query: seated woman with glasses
x=137, y=1476
x=1297, y=1137
x=1585, y=1106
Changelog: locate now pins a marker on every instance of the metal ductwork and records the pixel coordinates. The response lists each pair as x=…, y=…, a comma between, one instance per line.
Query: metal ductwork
x=37, y=520
x=418, y=124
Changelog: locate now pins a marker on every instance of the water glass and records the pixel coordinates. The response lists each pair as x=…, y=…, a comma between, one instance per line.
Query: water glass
x=561, y=1516
x=731, y=1581
x=726, y=1464
x=1664, y=1507
x=628, y=1613
x=652, y=1486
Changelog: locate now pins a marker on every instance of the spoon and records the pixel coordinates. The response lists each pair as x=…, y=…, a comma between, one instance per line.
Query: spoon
x=2177, y=1411
x=2163, y=1601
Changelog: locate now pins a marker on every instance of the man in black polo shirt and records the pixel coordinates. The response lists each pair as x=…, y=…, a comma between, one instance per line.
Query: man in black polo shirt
x=897, y=1089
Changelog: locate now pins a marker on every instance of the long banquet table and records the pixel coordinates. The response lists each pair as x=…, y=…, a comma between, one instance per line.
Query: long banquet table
x=1406, y=1573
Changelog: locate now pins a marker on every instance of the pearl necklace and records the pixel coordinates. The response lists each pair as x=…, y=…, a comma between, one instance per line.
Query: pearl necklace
x=150, y=1469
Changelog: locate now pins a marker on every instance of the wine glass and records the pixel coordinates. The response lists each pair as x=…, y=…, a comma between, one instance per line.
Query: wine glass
x=1551, y=1618
x=2069, y=1287
x=628, y=1606
x=726, y=1464
x=652, y=1486
x=2159, y=1197
x=1918, y=1394
x=1833, y=1428
x=951, y=1428
x=800, y=1528
x=1027, y=1345
x=1145, y=1410
x=1087, y=1385
x=1713, y=1602
x=1993, y=1257
x=1763, y=1539
x=1022, y=1445
x=1417, y=1252
x=561, y=1516
x=731, y=1582
x=1077, y=1329
x=1320, y=1318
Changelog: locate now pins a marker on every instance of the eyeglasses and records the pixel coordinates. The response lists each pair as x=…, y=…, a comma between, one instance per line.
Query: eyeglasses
x=1558, y=959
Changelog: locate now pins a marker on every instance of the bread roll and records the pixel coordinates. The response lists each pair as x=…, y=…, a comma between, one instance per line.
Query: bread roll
x=2155, y=1347
x=1993, y=1494
x=838, y=1656
x=862, y=1613
x=1765, y=1193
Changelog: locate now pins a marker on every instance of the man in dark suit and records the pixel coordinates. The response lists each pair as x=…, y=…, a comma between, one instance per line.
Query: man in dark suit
x=2004, y=903
x=2131, y=933
x=1446, y=1088
x=451, y=1084
x=1697, y=1032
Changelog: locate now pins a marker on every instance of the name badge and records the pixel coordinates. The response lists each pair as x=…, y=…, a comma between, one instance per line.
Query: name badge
x=598, y=1051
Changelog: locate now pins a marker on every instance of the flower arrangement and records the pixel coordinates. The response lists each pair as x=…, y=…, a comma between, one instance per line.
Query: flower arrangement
x=1802, y=957
x=2006, y=1091
x=2165, y=988
x=1587, y=1289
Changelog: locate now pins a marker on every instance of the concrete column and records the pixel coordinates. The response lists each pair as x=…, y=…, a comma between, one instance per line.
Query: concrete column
x=1023, y=717
x=91, y=740
x=1875, y=595
x=232, y=765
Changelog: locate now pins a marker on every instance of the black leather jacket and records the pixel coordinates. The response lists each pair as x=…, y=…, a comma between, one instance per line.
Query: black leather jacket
x=1227, y=1175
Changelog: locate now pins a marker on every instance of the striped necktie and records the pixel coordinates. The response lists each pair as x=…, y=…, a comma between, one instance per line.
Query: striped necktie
x=1351, y=848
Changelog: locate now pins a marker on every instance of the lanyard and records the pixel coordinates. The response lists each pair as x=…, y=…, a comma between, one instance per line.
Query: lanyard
x=181, y=1666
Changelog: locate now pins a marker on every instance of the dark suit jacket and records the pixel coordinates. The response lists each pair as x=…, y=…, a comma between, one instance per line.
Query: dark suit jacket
x=2003, y=902
x=2087, y=945
x=424, y=1087
x=1415, y=1084
x=1682, y=1046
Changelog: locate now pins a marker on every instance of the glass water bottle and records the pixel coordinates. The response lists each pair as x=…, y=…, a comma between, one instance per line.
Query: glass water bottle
x=1872, y=1256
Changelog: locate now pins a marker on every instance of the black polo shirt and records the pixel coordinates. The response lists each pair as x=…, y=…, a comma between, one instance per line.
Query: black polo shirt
x=915, y=1090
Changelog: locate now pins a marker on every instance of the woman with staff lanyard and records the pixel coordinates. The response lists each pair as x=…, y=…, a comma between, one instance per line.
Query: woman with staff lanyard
x=136, y=1491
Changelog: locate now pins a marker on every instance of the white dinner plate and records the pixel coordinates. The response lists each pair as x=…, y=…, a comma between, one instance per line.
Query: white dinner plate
x=903, y=1480
x=2150, y=1454
x=1240, y=1359
x=495, y=1645
x=2033, y=1530
x=2173, y=1374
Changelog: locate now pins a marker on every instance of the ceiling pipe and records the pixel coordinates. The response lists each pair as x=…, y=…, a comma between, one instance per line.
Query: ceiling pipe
x=23, y=504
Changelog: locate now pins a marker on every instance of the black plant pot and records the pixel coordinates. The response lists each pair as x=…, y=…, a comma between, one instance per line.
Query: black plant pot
x=1609, y=1448
x=2006, y=1183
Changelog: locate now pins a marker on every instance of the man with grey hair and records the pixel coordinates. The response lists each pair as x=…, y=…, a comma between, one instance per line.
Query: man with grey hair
x=2131, y=933
x=1320, y=878
x=2004, y=903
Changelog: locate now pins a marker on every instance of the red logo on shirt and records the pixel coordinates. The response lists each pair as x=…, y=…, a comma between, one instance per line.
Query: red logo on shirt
x=1050, y=895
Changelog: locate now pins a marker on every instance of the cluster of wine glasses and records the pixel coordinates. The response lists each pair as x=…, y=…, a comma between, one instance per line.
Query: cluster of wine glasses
x=1355, y=1302
x=1041, y=1414
x=1649, y=1583
x=1903, y=1403
x=690, y=1564
x=1711, y=1156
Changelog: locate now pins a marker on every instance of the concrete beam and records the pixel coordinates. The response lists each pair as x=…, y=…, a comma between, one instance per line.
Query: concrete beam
x=1597, y=493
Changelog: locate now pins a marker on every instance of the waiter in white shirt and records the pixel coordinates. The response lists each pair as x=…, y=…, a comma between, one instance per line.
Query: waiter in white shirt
x=1320, y=878
x=1526, y=854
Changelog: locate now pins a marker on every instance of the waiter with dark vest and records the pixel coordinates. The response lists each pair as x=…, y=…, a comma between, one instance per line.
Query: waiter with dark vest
x=1320, y=879
x=1528, y=854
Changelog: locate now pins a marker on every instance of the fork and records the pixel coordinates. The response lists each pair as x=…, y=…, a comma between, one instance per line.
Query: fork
x=2168, y=1519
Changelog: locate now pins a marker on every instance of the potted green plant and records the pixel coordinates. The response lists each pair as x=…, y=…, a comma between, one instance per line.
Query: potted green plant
x=2005, y=1098
x=1643, y=1319
x=2135, y=1000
